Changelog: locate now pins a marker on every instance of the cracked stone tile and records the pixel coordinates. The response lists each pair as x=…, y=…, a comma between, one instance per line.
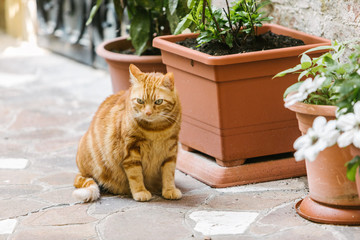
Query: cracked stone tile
x=7, y=226
x=61, y=215
x=57, y=196
x=145, y=223
x=73, y=232
x=187, y=200
x=298, y=184
x=279, y=218
x=110, y=204
x=12, y=149
x=186, y=183
x=312, y=231
x=11, y=191
x=344, y=232
x=8, y=116
x=253, y=200
x=17, y=177
x=13, y=163
x=39, y=118
x=56, y=163
x=211, y=223
x=19, y=206
x=38, y=134
x=58, y=145
x=59, y=179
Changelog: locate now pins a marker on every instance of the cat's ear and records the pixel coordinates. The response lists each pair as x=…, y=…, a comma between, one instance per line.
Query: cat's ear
x=168, y=81
x=135, y=74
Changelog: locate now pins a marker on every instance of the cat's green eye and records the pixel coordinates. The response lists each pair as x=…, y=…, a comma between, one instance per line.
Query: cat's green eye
x=140, y=101
x=159, y=101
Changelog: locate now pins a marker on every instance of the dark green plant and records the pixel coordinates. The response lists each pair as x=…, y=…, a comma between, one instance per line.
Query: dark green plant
x=148, y=18
x=351, y=167
x=342, y=85
x=230, y=26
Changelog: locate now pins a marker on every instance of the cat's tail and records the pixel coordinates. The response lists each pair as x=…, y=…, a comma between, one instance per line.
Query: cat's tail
x=87, y=189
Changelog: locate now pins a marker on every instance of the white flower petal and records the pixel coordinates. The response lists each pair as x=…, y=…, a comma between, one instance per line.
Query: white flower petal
x=356, y=139
x=357, y=108
x=297, y=97
x=346, y=122
x=299, y=155
x=332, y=137
x=319, y=123
x=330, y=125
x=311, y=153
x=301, y=142
x=346, y=138
x=305, y=85
x=357, y=111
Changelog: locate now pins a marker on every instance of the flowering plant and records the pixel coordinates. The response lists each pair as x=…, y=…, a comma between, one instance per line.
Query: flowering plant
x=231, y=26
x=331, y=79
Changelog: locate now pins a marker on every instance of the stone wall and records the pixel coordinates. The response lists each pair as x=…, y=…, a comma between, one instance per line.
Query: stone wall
x=332, y=19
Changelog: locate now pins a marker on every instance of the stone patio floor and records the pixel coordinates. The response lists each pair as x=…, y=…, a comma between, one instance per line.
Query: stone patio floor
x=46, y=104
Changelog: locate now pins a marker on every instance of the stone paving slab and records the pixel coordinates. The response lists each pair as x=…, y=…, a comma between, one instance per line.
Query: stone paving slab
x=46, y=104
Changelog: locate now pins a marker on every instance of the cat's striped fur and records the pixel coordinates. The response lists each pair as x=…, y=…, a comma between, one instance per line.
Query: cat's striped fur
x=132, y=142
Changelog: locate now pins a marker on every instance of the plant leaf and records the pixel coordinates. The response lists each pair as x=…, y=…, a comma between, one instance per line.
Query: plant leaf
x=173, y=5
x=290, y=70
x=190, y=3
x=183, y=24
x=304, y=73
x=305, y=62
x=93, y=11
x=292, y=88
x=140, y=31
x=119, y=9
x=147, y=4
x=320, y=48
x=351, y=167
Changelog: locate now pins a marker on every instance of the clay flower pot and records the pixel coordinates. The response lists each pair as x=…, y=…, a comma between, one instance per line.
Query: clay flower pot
x=119, y=63
x=332, y=197
x=232, y=108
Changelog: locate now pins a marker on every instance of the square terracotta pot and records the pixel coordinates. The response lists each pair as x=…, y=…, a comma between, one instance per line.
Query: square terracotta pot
x=232, y=108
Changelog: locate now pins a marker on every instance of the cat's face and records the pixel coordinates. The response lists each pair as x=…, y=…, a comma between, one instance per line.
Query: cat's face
x=153, y=97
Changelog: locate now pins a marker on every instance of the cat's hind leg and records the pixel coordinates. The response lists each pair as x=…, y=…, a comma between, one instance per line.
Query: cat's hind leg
x=87, y=189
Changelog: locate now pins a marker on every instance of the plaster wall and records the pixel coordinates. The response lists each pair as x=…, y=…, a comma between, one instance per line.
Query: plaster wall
x=332, y=19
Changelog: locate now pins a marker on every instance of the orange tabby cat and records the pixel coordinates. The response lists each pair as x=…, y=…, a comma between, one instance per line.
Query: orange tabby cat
x=131, y=145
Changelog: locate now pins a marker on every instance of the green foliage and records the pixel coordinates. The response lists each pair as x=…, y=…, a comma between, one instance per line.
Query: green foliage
x=225, y=25
x=148, y=18
x=351, y=167
x=342, y=85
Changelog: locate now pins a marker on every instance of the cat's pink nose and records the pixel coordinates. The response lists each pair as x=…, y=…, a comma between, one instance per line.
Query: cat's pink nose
x=148, y=113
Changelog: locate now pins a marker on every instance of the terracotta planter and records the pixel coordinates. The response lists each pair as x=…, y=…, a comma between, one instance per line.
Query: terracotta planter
x=232, y=108
x=119, y=63
x=332, y=197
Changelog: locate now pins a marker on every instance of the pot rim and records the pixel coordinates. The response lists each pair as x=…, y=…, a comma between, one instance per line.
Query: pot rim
x=102, y=50
x=312, y=109
x=168, y=43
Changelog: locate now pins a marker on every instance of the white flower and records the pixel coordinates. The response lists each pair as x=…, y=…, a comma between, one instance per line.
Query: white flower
x=349, y=124
x=358, y=71
x=322, y=135
x=307, y=87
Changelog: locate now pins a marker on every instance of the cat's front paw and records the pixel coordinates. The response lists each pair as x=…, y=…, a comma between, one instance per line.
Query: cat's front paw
x=142, y=196
x=172, y=193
